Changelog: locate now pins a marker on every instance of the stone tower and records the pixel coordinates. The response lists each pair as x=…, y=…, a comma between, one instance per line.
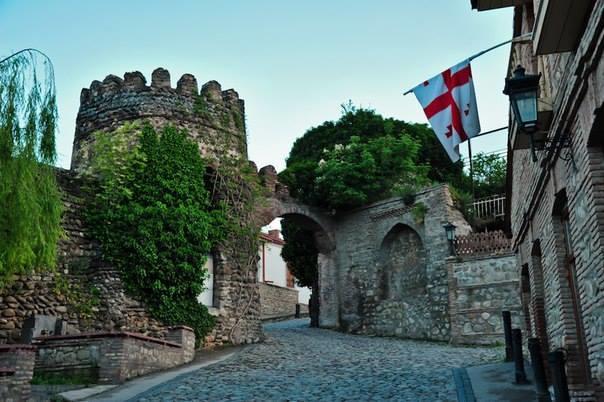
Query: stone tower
x=213, y=118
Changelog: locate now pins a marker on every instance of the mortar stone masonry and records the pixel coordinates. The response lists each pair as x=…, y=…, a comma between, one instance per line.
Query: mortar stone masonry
x=277, y=301
x=16, y=372
x=113, y=357
x=480, y=288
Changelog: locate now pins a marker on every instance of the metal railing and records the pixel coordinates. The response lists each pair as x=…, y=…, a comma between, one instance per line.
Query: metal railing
x=482, y=243
x=492, y=207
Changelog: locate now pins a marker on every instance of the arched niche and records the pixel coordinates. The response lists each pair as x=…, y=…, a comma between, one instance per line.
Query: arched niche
x=402, y=258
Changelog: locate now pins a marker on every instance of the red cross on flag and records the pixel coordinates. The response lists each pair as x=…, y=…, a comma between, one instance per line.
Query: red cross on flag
x=449, y=102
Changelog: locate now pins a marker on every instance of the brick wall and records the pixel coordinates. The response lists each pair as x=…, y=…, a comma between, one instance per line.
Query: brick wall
x=114, y=357
x=277, y=302
x=566, y=185
x=16, y=371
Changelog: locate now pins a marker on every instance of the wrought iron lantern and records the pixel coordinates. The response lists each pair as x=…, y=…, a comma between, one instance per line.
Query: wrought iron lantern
x=450, y=230
x=523, y=90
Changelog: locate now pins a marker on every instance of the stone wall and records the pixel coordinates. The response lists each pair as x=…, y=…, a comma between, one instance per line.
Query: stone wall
x=16, y=371
x=213, y=118
x=114, y=357
x=277, y=301
x=84, y=291
x=390, y=267
x=382, y=267
x=480, y=288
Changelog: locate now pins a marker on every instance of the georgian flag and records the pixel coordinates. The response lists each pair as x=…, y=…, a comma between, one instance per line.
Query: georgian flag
x=449, y=103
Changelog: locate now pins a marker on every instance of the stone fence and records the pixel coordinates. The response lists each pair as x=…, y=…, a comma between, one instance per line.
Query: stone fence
x=277, y=302
x=480, y=287
x=114, y=357
x=16, y=371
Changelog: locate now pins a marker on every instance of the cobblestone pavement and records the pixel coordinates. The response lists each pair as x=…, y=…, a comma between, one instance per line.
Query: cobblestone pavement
x=297, y=363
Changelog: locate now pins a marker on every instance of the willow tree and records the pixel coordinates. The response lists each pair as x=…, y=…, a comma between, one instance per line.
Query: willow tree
x=30, y=204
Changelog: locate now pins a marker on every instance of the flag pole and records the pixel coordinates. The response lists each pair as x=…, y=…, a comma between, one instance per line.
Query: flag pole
x=471, y=169
x=516, y=39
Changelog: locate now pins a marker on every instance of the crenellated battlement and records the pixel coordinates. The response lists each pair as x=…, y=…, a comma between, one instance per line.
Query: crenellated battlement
x=214, y=118
x=135, y=81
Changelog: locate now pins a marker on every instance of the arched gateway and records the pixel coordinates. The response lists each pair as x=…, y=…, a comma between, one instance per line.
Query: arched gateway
x=281, y=205
x=382, y=267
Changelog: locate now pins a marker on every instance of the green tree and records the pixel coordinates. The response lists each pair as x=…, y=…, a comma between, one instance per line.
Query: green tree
x=489, y=174
x=153, y=216
x=361, y=172
x=30, y=203
x=302, y=254
x=301, y=172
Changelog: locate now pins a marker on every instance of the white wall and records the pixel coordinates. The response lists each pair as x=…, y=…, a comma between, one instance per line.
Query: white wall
x=275, y=269
x=207, y=296
x=303, y=294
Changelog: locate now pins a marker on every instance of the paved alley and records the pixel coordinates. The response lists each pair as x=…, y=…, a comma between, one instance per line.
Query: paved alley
x=298, y=363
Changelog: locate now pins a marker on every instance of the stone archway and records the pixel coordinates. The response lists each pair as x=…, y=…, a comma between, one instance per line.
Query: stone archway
x=280, y=205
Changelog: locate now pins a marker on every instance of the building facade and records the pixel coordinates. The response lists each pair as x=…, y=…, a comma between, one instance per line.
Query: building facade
x=279, y=292
x=556, y=195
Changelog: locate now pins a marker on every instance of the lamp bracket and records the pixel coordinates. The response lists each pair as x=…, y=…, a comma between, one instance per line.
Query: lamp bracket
x=563, y=142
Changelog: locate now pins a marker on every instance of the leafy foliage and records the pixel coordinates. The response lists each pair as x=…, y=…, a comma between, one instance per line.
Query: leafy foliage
x=489, y=175
x=301, y=172
x=30, y=203
x=154, y=218
x=364, y=157
x=358, y=173
x=302, y=254
x=419, y=211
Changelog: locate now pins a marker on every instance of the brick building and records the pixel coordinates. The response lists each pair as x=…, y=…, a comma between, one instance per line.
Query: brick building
x=556, y=197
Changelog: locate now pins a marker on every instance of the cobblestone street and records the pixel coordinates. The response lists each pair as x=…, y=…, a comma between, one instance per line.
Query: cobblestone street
x=297, y=363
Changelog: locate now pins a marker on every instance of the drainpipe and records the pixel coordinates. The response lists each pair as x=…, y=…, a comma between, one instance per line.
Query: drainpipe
x=263, y=264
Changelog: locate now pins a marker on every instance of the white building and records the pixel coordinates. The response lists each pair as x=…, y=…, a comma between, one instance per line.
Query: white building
x=272, y=269
x=273, y=276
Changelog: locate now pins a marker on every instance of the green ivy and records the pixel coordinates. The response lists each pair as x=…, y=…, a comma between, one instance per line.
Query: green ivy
x=154, y=219
x=200, y=106
x=83, y=301
x=419, y=211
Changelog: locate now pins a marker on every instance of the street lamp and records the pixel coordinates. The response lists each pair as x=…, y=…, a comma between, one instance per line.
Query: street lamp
x=523, y=92
x=450, y=230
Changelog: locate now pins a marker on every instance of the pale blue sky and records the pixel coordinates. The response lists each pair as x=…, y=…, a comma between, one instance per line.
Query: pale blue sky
x=294, y=63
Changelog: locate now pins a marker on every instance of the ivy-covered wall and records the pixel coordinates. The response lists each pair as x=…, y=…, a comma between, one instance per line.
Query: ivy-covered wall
x=84, y=291
x=215, y=121
x=87, y=292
